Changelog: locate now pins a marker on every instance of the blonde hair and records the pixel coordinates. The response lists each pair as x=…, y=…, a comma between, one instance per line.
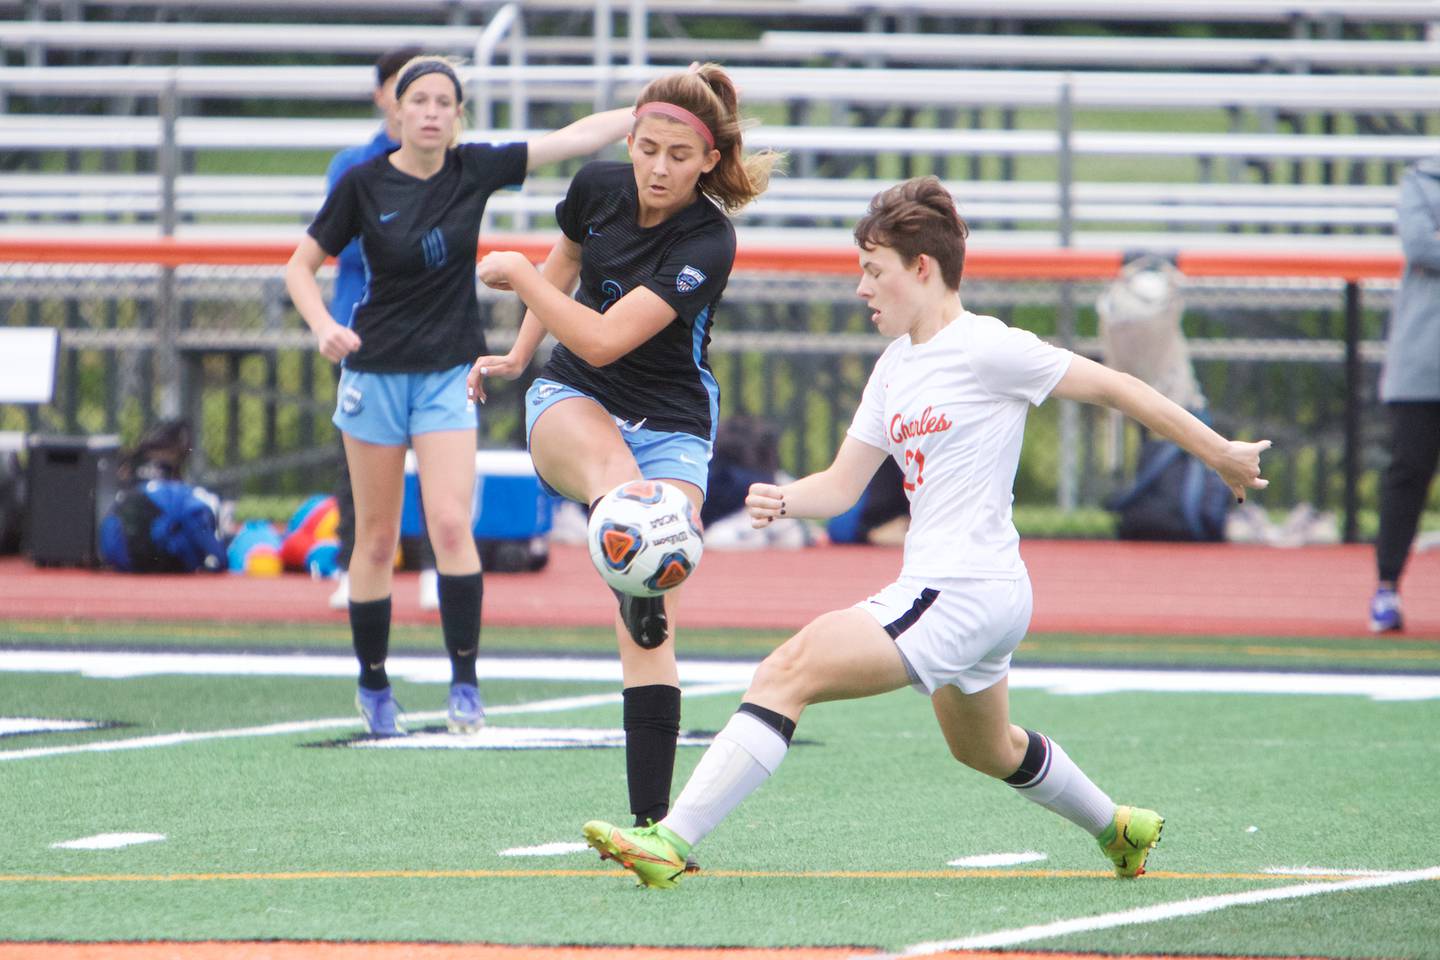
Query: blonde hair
x=708, y=92
x=453, y=66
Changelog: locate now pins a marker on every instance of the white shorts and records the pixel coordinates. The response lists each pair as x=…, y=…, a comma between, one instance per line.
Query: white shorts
x=958, y=632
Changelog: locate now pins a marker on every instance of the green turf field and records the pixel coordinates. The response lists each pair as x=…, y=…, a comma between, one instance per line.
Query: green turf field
x=302, y=832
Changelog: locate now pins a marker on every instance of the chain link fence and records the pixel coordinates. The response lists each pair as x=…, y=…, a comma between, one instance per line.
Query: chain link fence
x=223, y=346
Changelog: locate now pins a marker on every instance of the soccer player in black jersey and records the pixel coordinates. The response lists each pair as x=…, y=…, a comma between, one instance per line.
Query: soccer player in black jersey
x=628, y=392
x=416, y=211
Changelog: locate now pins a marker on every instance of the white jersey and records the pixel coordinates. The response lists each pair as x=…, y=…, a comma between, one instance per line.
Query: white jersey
x=951, y=411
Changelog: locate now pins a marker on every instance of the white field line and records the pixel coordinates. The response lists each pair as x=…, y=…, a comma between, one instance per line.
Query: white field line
x=1070, y=681
x=333, y=723
x=108, y=841
x=1164, y=911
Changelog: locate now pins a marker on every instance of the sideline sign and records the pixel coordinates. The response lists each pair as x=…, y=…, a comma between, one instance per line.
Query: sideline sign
x=28, y=361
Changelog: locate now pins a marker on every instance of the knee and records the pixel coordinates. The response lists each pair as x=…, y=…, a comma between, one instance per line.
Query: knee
x=610, y=470
x=783, y=673
x=375, y=543
x=450, y=531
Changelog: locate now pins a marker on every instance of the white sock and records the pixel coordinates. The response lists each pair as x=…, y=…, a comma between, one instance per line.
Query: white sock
x=742, y=757
x=1062, y=787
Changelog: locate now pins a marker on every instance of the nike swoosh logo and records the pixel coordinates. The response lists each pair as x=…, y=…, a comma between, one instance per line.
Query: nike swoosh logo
x=685, y=459
x=626, y=849
x=387, y=217
x=593, y=232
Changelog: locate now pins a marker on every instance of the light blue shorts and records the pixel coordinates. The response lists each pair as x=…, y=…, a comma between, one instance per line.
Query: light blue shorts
x=390, y=408
x=660, y=455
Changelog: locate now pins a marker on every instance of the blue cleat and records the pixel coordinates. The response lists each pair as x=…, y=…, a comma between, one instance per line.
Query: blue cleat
x=381, y=712
x=1385, y=615
x=465, y=713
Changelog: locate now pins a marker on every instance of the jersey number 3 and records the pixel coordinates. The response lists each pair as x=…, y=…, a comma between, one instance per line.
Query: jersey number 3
x=918, y=459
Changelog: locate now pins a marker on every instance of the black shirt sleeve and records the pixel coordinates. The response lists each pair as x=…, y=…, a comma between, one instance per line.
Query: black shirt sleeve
x=695, y=269
x=570, y=212
x=338, y=221
x=495, y=165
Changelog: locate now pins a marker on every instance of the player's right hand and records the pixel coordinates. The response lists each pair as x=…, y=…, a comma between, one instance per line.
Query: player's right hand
x=507, y=367
x=336, y=342
x=766, y=502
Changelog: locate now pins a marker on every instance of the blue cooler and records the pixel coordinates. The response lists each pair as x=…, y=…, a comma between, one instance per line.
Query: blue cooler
x=510, y=504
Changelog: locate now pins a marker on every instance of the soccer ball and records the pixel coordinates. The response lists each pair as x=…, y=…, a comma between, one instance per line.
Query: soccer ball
x=645, y=538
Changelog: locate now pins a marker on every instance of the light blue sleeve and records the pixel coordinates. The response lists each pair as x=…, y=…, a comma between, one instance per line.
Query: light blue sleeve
x=1418, y=221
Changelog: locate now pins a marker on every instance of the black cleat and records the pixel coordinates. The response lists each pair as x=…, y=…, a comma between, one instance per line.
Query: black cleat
x=645, y=618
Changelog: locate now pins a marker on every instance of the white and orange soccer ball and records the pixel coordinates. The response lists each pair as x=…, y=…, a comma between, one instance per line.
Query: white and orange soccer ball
x=645, y=538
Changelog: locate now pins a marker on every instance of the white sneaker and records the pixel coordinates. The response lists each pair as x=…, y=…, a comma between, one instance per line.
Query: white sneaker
x=340, y=599
x=429, y=590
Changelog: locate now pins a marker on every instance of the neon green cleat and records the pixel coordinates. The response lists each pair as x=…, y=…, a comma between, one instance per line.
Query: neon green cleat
x=1130, y=838
x=654, y=854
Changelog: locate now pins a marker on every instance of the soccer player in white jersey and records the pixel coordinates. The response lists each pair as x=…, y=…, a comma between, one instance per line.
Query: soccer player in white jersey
x=948, y=401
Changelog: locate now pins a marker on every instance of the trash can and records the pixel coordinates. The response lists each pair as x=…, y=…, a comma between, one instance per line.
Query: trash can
x=72, y=483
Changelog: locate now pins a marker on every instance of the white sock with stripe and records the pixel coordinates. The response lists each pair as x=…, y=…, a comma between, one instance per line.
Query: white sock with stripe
x=742, y=757
x=1050, y=778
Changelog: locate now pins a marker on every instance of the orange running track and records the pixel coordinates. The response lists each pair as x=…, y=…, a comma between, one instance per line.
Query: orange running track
x=1100, y=587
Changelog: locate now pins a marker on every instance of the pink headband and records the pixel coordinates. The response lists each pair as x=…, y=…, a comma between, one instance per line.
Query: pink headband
x=676, y=112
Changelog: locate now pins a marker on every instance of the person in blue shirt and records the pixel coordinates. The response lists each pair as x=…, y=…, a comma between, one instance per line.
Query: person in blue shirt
x=349, y=288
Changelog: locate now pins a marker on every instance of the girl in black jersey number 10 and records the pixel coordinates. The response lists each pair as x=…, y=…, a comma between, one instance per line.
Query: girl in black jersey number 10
x=415, y=330
x=628, y=393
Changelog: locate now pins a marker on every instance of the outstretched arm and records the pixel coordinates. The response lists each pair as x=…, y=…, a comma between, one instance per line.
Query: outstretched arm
x=821, y=495
x=1237, y=461
x=581, y=138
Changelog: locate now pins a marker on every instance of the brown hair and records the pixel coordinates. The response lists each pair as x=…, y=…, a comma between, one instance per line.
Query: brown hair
x=915, y=217
x=708, y=92
x=447, y=67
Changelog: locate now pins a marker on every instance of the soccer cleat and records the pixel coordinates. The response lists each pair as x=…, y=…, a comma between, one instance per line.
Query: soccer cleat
x=465, y=714
x=645, y=618
x=1130, y=838
x=656, y=855
x=381, y=712
x=1385, y=614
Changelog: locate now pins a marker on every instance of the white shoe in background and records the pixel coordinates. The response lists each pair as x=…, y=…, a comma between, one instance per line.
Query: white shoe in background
x=429, y=590
x=340, y=599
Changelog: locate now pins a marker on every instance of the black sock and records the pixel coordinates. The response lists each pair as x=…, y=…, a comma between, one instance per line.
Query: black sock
x=460, y=598
x=652, y=725
x=1035, y=765
x=370, y=633
x=778, y=722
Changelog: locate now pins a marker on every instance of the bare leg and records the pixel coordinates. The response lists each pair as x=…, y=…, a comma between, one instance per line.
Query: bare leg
x=840, y=655
x=578, y=450
x=978, y=730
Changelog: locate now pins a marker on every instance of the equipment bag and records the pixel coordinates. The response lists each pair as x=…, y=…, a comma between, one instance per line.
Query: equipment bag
x=1174, y=497
x=161, y=527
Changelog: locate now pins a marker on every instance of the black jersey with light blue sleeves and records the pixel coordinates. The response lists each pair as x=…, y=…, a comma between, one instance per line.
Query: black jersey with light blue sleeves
x=686, y=261
x=419, y=240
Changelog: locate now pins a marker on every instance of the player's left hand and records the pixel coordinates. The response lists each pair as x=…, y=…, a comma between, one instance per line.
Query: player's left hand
x=1239, y=466
x=498, y=268
x=766, y=503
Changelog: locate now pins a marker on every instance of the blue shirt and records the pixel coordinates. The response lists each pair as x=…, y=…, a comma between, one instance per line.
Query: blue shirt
x=351, y=277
